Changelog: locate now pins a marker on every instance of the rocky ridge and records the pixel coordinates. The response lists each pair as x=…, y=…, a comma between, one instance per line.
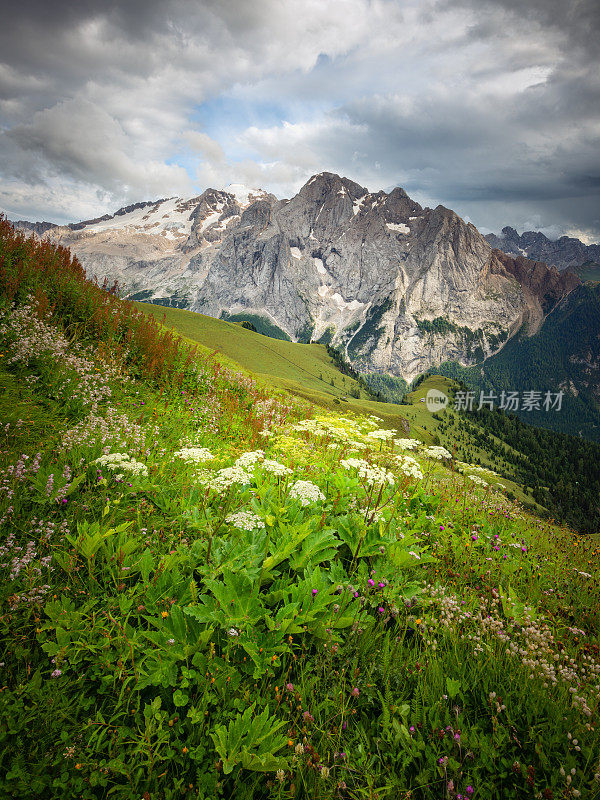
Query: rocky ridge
x=566, y=252
x=398, y=287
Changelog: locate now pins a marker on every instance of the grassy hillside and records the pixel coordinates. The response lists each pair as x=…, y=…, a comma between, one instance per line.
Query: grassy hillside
x=519, y=455
x=209, y=589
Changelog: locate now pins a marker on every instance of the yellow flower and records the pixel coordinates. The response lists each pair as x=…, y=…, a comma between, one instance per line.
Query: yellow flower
x=418, y=622
x=164, y=614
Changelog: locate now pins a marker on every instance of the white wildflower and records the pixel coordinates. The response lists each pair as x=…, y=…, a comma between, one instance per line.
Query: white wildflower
x=407, y=444
x=437, y=452
x=306, y=492
x=368, y=472
x=221, y=481
x=275, y=467
x=381, y=434
x=122, y=461
x=193, y=455
x=410, y=466
x=476, y=479
x=245, y=520
x=248, y=459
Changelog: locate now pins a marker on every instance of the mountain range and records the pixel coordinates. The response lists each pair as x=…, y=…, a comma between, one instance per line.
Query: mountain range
x=563, y=253
x=397, y=287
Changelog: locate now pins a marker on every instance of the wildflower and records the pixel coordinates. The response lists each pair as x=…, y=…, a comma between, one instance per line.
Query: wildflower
x=324, y=772
x=407, y=444
x=299, y=749
x=355, y=692
x=371, y=582
x=164, y=614
x=308, y=717
x=306, y=492
x=121, y=461
x=314, y=592
x=248, y=459
x=56, y=674
x=233, y=632
x=469, y=790
x=437, y=452
x=193, y=455
x=289, y=687
x=245, y=521
x=381, y=610
x=410, y=467
x=276, y=468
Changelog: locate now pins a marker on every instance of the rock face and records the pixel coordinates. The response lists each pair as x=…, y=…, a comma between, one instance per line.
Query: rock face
x=398, y=287
x=563, y=253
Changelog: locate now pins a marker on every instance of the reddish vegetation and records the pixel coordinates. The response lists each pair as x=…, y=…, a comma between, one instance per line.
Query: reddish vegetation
x=48, y=272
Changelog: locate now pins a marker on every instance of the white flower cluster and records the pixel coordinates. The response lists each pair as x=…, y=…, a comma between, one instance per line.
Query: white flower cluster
x=253, y=457
x=410, y=466
x=193, y=455
x=275, y=467
x=306, y=492
x=370, y=473
x=407, y=444
x=381, y=434
x=437, y=452
x=250, y=458
x=245, y=520
x=221, y=480
x=119, y=462
x=476, y=479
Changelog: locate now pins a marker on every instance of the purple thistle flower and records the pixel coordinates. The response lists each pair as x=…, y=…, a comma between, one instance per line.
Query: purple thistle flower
x=314, y=592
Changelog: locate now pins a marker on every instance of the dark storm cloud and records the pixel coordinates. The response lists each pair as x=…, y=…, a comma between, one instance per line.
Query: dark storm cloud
x=488, y=106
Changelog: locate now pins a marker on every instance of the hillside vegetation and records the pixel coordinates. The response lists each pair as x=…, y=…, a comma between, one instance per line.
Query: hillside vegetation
x=215, y=589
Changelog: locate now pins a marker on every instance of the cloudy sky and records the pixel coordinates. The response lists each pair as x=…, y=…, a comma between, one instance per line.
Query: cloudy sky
x=490, y=107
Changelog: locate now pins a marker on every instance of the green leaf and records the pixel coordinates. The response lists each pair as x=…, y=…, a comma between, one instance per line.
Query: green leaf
x=322, y=545
x=147, y=564
x=452, y=687
x=180, y=698
x=249, y=740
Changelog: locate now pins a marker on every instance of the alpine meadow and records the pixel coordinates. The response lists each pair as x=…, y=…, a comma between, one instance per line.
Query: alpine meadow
x=220, y=584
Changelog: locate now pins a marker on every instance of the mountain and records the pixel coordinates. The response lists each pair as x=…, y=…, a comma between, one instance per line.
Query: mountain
x=396, y=286
x=566, y=252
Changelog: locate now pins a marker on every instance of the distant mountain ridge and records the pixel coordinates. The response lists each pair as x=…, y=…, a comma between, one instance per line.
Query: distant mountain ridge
x=395, y=286
x=563, y=253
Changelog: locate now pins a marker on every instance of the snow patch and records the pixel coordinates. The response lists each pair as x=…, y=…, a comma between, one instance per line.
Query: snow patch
x=319, y=265
x=353, y=305
x=400, y=227
x=323, y=290
x=357, y=204
x=243, y=194
x=296, y=252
